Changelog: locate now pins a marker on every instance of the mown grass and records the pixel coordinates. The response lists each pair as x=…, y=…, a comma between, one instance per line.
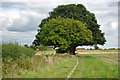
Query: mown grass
x=103, y=50
x=48, y=51
x=90, y=67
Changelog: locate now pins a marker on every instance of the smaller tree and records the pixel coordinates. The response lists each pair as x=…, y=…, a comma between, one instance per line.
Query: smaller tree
x=32, y=47
x=96, y=47
x=26, y=45
x=42, y=47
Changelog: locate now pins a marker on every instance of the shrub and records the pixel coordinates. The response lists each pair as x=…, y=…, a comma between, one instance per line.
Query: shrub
x=59, y=50
x=90, y=48
x=42, y=47
x=14, y=51
x=96, y=47
x=32, y=47
x=26, y=46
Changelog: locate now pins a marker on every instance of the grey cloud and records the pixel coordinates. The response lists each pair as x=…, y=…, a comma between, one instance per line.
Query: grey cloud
x=25, y=23
x=105, y=12
x=32, y=20
x=20, y=37
x=39, y=7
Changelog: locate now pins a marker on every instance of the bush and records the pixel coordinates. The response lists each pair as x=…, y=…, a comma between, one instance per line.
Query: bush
x=42, y=47
x=59, y=50
x=14, y=51
x=96, y=47
x=32, y=47
x=26, y=46
x=90, y=48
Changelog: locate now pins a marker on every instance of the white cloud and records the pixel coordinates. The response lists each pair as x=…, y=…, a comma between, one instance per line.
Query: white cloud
x=114, y=25
x=20, y=37
x=25, y=17
x=20, y=20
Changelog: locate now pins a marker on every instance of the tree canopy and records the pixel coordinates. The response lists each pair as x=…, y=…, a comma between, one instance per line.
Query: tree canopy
x=64, y=33
x=78, y=13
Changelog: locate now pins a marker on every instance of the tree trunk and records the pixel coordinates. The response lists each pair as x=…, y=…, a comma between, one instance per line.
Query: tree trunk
x=71, y=51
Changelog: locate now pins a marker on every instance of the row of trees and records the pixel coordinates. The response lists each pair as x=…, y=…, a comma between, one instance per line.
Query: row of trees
x=40, y=47
x=69, y=26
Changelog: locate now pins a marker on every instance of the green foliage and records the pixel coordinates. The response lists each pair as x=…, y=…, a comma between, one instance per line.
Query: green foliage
x=42, y=47
x=96, y=47
x=32, y=47
x=76, y=12
x=79, y=12
x=90, y=48
x=60, y=50
x=14, y=51
x=26, y=46
x=64, y=33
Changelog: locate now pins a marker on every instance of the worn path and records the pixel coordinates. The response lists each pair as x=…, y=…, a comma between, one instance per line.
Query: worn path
x=72, y=70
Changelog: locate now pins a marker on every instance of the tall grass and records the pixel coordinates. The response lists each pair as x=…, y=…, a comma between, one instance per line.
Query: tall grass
x=14, y=51
x=19, y=67
x=17, y=60
x=14, y=57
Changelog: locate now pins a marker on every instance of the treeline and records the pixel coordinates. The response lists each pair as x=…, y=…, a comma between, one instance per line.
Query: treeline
x=40, y=47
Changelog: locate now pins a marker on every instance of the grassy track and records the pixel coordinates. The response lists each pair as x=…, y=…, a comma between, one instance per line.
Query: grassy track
x=88, y=67
x=91, y=67
x=53, y=70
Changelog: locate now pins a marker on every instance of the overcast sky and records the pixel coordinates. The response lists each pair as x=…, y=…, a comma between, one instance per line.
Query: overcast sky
x=19, y=19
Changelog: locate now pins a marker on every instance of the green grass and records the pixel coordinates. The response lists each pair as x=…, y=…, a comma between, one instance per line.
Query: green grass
x=43, y=66
x=56, y=66
x=60, y=70
x=48, y=51
x=90, y=67
x=103, y=50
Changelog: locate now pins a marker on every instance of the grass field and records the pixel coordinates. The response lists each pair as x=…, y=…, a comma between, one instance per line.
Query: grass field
x=52, y=70
x=49, y=51
x=60, y=66
x=96, y=65
x=91, y=66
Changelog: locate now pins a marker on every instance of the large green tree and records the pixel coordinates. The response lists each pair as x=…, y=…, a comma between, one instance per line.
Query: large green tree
x=77, y=12
x=64, y=33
